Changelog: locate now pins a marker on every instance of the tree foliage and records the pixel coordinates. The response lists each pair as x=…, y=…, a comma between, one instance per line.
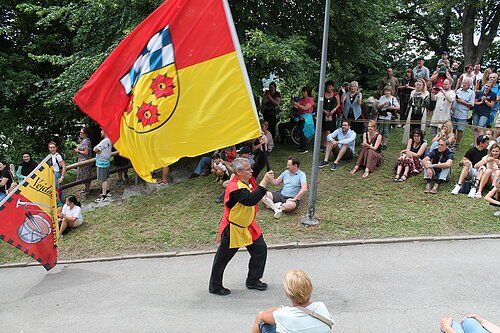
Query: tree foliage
x=49, y=48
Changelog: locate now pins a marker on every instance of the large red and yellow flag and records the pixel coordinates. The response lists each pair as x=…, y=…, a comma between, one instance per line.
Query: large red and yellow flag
x=28, y=216
x=176, y=86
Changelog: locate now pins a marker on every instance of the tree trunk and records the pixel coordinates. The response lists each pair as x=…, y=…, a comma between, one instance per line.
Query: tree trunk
x=489, y=19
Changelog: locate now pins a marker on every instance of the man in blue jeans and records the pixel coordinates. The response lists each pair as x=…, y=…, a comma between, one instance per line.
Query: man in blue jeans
x=437, y=166
x=484, y=103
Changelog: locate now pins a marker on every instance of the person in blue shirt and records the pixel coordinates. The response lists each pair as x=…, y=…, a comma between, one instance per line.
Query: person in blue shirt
x=437, y=166
x=342, y=143
x=294, y=187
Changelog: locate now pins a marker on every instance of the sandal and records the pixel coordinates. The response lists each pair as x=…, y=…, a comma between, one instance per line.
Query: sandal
x=396, y=179
x=402, y=179
x=366, y=174
x=353, y=171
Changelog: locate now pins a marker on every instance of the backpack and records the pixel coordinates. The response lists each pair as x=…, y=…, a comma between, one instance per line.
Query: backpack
x=466, y=186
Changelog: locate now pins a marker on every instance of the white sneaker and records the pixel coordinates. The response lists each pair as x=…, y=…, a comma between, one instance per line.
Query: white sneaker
x=478, y=195
x=456, y=189
x=278, y=205
x=101, y=199
x=109, y=194
x=472, y=192
x=278, y=213
x=497, y=213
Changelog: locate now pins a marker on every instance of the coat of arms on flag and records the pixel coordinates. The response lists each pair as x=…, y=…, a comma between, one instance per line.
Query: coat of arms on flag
x=152, y=84
x=28, y=216
x=176, y=86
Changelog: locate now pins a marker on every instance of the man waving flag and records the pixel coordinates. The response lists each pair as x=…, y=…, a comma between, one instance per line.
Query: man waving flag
x=176, y=86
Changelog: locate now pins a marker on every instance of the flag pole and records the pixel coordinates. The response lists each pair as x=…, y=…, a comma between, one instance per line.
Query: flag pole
x=310, y=218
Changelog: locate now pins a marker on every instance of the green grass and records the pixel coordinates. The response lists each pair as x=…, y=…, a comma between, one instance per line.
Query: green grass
x=185, y=216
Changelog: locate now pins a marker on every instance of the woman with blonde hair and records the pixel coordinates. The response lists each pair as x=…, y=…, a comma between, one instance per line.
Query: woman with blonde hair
x=488, y=171
x=302, y=316
x=370, y=156
x=446, y=133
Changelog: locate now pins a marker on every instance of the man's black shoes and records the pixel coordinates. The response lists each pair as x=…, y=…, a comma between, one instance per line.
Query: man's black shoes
x=258, y=285
x=221, y=292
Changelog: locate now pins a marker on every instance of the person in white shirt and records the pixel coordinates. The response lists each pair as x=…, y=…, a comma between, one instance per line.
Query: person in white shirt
x=71, y=215
x=342, y=143
x=302, y=316
x=444, y=97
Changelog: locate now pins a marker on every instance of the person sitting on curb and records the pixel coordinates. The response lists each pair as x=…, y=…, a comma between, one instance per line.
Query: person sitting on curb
x=437, y=166
x=470, y=324
x=294, y=187
x=71, y=214
x=342, y=142
x=302, y=316
x=472, y=156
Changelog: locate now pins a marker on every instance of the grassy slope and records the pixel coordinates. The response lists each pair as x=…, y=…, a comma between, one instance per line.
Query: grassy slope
x=185, y=215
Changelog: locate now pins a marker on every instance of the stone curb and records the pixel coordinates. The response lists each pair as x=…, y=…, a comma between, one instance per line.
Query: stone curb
x=291, y=245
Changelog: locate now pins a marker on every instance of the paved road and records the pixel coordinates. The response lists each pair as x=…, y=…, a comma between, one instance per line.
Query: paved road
x=368, y=288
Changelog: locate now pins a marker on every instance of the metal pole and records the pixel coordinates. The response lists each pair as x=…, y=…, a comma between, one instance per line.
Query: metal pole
x=310, y=219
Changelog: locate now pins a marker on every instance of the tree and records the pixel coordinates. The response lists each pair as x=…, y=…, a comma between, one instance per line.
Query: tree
x=480, y=18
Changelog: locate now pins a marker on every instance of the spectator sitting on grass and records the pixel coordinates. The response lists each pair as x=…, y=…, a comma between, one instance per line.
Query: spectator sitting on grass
x=437, y=166
x=71, y=215
x=342, y=142
x=446, y=133
x=471, y=158
x=491, y=136
x=488, y=171
x=294, y=187
x=409, y=162
x=218, y=168
x=470, y=324
x=493, y=197
x=302, y=316
x=370, y=156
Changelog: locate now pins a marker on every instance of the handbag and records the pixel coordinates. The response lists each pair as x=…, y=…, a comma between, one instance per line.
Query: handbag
x=316, y=315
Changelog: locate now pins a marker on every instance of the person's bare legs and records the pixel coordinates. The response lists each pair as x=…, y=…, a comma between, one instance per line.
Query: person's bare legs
x=464, y=173
x=485, y=180
x=289, y=205
x=164, y=174
x=328, y=150
x=267, y=200
x=459, y=137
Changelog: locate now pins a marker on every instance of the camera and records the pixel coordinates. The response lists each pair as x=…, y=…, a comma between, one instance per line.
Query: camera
x=295, y=98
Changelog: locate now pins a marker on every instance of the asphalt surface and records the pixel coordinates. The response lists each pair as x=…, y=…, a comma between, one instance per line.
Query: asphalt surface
x=404, y=287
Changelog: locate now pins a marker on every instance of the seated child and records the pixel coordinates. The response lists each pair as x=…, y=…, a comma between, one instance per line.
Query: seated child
x=219, y=169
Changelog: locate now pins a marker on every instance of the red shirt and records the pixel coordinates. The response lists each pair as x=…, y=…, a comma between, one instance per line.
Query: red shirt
x=305, y=101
